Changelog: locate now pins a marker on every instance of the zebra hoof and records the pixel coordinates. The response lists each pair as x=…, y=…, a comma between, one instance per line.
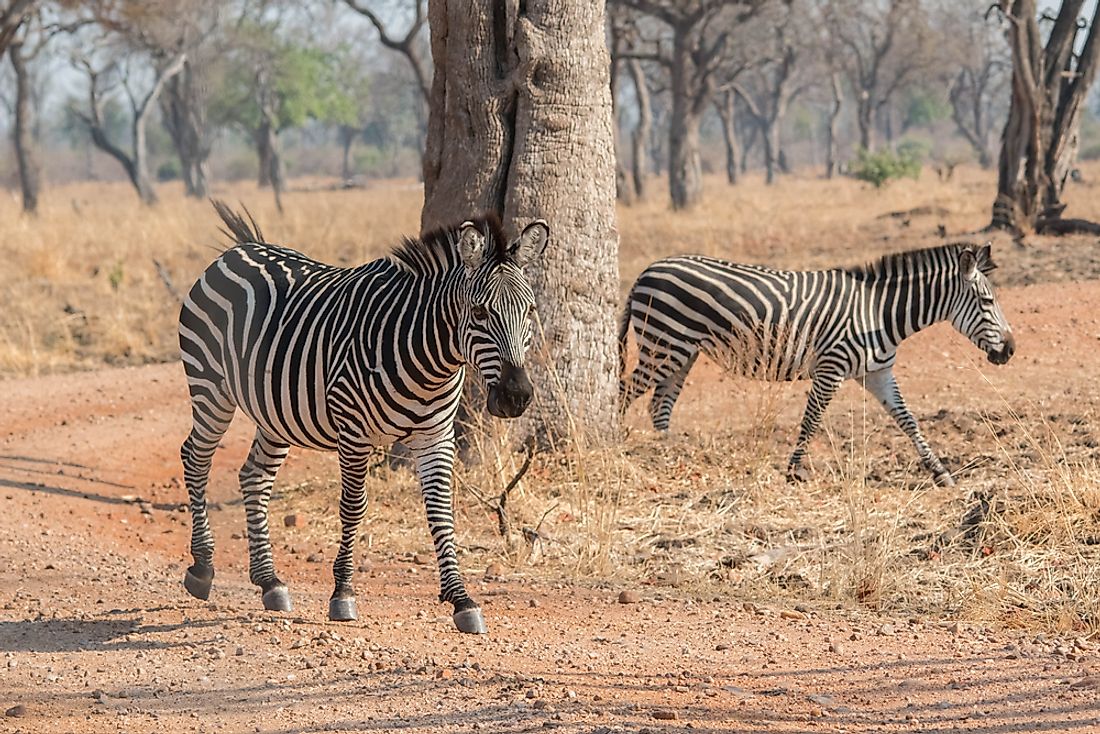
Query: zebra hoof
x=277, y=599
x=797, y=474
x=342, y=610
x=198, y=581
x=470, y=621
x=944, y=479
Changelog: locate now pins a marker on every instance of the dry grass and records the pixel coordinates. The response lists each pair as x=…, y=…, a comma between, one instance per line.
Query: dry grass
x=704, y=511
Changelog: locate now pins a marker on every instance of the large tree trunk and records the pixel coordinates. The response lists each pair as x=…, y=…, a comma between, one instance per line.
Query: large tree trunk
x=640, y=138
x=22, y=133
x=521, y=122
x=685, y=170
x=1040, y=136
x=831, y=130
x=727, y=114
x=184, y=112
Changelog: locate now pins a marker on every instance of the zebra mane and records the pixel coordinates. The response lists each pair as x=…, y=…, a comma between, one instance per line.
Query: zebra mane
x=435, y=250
x=923, y=259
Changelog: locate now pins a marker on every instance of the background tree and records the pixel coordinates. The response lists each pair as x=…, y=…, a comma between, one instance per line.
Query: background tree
x=271, y=84
x=699, y=33
x=520, y=123
x=103, y=81
x=882, y=46
x=1049, y=84
x=12, y=15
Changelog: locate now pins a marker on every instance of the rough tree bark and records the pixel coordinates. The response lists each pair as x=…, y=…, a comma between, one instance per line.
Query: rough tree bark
x=1049, y=85
x=520, y=123
x=624, y=185
x=26, y=154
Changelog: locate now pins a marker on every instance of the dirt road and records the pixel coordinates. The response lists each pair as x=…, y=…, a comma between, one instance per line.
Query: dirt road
x=98, y=635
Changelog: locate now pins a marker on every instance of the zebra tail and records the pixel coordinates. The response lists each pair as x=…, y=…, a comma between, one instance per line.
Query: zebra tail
x=624, y=331
x=239, y=230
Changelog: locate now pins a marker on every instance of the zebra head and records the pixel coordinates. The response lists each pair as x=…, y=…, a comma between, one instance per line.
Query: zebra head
x=977, y=314
x=496, y=309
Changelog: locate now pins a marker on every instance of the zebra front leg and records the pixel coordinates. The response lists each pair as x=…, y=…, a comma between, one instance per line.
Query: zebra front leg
x=883, y=386
x=822, y=391
x=257, y=477
x=434, y=463
x=211, y=420
x=354, y=460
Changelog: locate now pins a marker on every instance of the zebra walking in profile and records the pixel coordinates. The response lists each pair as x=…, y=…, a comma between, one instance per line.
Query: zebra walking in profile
x=345, y=359
x=829, y=326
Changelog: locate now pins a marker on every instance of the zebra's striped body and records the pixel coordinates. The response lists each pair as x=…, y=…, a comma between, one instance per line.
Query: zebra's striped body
x=346, y=359
x=828, y=326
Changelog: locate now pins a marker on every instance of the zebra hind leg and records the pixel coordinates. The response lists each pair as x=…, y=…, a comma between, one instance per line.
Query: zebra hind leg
x=354, y=462
x=210, y=420
x=822, y=391
x=668, y=390
x=434, y=464
x=257, y=477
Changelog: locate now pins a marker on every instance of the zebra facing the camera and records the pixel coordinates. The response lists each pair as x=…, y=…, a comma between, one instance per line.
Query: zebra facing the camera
x=345, y=359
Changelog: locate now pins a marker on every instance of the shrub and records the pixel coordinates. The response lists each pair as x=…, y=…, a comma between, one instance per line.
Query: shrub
x=886, y=165
x=169, y=170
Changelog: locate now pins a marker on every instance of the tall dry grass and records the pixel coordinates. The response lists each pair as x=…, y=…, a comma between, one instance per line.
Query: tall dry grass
x=704, y=511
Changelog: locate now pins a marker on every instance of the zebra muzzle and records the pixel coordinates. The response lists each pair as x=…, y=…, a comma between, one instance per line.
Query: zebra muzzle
x=511, y=394
x=1002, y=355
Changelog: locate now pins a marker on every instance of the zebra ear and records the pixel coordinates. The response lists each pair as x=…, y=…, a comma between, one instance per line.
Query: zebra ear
x=526, y=248
x=471, y=246
x=968, y=264
x=985, y=259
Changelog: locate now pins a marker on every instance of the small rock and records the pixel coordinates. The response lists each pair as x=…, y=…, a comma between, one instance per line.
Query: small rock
x=534, y=603
x=721, y=646
x=664, y=715
x=315, y=558
x=886, y=630
x=494, y=570
x=627, y=596
x=792, y=614
x=1087, y=682
x=422, y=559
x=294, y=521
x=239, y=651
x=540, y=703
x=16, y=711
x=836, y=646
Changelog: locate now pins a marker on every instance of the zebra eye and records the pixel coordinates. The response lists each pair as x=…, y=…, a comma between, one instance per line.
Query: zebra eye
x=531, y=310
x=479, y=312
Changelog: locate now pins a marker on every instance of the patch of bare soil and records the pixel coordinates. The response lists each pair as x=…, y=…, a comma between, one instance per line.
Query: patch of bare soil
x=98, y=635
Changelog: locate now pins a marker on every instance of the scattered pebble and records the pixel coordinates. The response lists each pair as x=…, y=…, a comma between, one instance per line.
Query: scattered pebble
x=627, y=596
x=792, y=614
x=16, y=711
x=315, y=558
x=294, y=521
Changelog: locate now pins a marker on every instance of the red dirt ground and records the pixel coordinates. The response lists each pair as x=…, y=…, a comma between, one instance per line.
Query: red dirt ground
x=98, y=635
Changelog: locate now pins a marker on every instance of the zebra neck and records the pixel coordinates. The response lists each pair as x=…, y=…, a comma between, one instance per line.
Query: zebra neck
x=910, y=302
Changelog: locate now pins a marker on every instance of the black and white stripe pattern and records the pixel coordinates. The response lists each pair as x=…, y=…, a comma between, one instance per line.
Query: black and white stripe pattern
x=345, y=359
x=828, y=326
